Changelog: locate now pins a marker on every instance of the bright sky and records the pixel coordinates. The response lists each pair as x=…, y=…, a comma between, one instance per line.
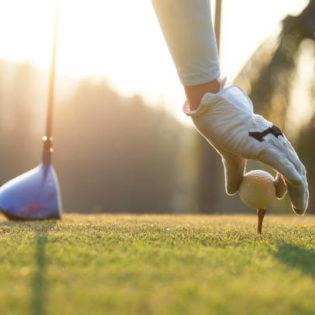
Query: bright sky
x=121, y=40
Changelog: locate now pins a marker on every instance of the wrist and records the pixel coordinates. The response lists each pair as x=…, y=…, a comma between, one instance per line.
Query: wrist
x=194, y=93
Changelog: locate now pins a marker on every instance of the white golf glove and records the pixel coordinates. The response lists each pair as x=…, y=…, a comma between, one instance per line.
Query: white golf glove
x=227, y=121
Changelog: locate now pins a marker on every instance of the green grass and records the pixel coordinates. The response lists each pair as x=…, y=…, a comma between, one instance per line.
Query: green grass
x=106, y=264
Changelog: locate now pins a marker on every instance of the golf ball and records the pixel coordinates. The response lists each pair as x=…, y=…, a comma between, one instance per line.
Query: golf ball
x=257, y=190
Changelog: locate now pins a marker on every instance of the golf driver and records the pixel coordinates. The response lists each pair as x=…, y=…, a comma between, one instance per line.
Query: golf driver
x=35, y=195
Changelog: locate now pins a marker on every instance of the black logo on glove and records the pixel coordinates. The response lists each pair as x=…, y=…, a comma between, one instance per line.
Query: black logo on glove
x=274, y=130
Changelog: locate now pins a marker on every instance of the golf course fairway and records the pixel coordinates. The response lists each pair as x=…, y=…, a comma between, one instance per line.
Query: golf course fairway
x=158, y=264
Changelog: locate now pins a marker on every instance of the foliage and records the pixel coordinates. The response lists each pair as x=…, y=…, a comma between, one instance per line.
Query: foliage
x=113, y=153
x=268, y=76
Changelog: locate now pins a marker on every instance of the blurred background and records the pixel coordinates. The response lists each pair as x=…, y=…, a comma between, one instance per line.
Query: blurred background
x=122, y=143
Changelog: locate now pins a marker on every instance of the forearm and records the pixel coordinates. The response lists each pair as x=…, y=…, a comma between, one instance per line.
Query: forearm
x=188, y=31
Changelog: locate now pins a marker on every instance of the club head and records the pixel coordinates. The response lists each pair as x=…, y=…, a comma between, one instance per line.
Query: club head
x=33, y=195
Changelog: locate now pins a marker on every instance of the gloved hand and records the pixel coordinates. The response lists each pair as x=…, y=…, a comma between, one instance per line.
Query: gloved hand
x=227, y=121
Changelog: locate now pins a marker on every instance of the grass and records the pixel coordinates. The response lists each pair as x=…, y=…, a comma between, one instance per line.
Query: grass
x=106, y=264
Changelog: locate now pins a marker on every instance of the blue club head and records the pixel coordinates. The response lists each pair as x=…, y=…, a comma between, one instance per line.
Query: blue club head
x=33, y=195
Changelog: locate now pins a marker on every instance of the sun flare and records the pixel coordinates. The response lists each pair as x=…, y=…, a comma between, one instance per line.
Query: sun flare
x=121, y=40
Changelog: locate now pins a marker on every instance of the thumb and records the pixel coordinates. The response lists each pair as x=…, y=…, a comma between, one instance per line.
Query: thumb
x=234, y=168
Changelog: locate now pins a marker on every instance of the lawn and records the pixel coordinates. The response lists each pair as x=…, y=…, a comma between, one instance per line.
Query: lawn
x=129, y=264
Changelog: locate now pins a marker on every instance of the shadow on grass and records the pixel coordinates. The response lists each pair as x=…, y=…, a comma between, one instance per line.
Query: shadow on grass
x=296, y=257
x=39, y=284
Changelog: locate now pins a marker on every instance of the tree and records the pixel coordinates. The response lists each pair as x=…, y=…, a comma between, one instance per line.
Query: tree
x=269, y=75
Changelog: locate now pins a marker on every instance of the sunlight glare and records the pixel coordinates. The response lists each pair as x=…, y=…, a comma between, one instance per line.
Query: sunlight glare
x=121, y=40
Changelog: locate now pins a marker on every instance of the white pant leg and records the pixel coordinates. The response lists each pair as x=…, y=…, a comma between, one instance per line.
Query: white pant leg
x=188, y=31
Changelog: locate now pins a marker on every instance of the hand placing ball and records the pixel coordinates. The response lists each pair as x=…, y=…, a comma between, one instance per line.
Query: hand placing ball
x=259, y=189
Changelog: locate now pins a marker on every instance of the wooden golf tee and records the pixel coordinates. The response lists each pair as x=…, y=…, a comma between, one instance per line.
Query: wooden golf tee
x=261, y=214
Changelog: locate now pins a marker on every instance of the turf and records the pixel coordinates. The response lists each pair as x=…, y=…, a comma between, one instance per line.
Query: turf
x=107, y=264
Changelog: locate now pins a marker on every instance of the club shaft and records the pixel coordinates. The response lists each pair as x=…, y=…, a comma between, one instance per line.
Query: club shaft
x=48, y=149
x=217, y=23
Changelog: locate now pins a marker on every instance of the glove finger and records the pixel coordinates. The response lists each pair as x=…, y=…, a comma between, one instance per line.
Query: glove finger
x=296, y=183
x=299, y=198
x=296, y=192
x=283, y=144
x=281, y=187
x=234, y=168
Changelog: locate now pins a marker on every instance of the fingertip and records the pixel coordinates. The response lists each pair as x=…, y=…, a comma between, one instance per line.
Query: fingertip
x=297, y=211
x=231, y=192
x=280, y=186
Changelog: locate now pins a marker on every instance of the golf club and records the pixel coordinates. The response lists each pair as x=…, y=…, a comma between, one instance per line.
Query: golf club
x=35, y=195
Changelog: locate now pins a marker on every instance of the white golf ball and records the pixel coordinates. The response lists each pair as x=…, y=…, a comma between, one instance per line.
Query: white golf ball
x=257, y=190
